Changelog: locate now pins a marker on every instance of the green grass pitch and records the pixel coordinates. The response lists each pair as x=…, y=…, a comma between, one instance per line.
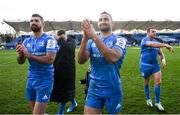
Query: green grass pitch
x=13, y=81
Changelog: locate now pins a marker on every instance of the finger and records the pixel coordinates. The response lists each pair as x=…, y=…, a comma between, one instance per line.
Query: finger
x=171, y=50
x=17, y=46
x=84, y=25
x=85, y=29
x=18, y=49
x=163, y=66
x=87, y=23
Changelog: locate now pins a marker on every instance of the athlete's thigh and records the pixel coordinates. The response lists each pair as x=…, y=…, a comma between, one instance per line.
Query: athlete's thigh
x=30, y=91
x=146, y=71
x=93, y=103
x=157, y=77
x=113, y=104
x=43, y=89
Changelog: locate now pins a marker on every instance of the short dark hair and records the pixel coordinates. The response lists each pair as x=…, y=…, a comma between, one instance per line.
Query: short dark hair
x=60, y=32
x=37, y=15
x=107, y=14
x=149, y=28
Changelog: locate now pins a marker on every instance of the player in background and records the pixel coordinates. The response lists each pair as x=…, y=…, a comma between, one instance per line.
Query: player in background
x=150, y=49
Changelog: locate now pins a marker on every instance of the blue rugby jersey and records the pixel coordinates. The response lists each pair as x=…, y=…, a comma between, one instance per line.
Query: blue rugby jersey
x=105, y=78
x=148, y=54
x=39, y=47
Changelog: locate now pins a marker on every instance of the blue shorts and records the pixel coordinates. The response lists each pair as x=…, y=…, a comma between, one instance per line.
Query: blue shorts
x=112, y=104
x=148, y=69
x=39, y=90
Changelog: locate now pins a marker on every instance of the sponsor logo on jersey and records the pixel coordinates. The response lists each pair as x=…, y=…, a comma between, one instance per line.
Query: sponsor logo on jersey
x=121, y=42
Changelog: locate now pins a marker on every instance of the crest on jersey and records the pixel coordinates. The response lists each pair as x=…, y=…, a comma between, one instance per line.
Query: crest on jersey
x=109, y=44
x=41, y=43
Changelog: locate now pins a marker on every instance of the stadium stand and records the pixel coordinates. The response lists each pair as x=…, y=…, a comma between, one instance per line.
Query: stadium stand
x=12, y=44
x=132, y=39
x=76, y=25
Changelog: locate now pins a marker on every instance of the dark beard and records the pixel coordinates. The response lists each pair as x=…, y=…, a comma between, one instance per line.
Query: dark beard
x=35, y=28
x=105, y=29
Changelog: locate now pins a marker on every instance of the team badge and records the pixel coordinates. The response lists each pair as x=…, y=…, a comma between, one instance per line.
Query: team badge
x=41, y=43
x=109, y=44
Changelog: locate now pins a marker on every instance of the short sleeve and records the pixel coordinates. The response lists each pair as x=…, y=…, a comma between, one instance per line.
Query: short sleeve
x=120, y=44
x=51, y=45
x=25, y=42
x=143, y=42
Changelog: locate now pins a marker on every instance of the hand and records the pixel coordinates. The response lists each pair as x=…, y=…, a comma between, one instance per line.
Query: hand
x=19, y=48
x=163, y=63
x=25, y=52
x=170, y=48
x=88, y=29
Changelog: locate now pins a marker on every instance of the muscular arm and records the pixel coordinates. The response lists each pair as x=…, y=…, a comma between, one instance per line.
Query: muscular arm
x=47, y=59
x=162, y=58
x=161, y=55
x=83, y=54
x=156, y=44
x=111, y=55
x=160, y=45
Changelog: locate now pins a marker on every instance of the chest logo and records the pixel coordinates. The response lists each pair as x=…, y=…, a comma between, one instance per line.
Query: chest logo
x=41, y=43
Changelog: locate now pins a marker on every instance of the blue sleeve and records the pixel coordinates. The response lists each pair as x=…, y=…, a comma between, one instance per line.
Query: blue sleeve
x=25, y=42
x=143, y=42
x=51, y=45
x=89, y=45
x=120, y=45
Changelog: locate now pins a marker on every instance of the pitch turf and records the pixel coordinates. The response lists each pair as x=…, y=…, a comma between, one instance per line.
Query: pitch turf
x=13, y=81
